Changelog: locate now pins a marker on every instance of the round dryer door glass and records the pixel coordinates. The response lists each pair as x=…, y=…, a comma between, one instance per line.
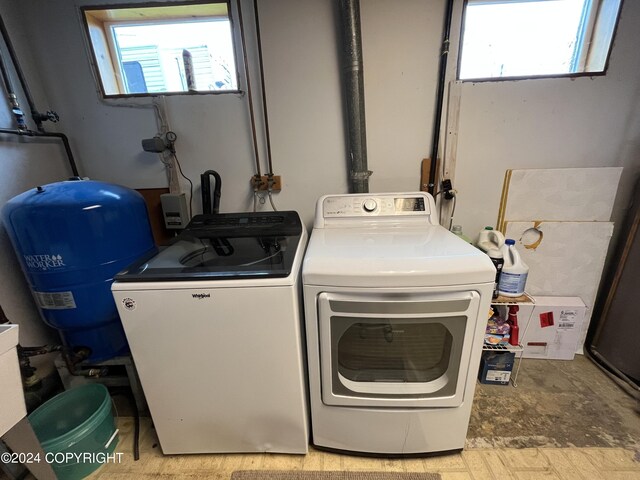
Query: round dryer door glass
x=394, y=352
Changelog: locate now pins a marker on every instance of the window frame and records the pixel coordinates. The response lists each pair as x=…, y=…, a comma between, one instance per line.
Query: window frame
x=107, y=30
x=582, y=57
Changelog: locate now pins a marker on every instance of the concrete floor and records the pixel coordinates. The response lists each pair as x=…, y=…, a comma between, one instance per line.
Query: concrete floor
x=564, y=421
x=556, y=404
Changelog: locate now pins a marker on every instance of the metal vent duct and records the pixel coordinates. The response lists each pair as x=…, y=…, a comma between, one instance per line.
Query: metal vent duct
x=354, y=95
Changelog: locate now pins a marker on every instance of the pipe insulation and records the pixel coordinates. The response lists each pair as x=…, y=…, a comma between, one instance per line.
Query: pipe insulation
x=354, y=95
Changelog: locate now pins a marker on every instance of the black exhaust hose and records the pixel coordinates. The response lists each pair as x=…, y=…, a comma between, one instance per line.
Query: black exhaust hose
x=208, y=206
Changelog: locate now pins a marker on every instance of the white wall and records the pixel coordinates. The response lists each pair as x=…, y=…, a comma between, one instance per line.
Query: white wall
x=24, y=163
x=550, y=123
x=401, y=47
x=302, y=76
x=305, y=109
x=523, y=124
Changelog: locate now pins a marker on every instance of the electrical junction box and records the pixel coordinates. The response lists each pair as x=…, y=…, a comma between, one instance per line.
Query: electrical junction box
x=174, y=210
x=262, y=183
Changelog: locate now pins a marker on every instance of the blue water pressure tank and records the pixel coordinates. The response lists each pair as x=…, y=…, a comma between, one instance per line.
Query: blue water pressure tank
x=71, y=238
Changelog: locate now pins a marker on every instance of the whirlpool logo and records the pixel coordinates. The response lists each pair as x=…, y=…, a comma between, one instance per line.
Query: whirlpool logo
x=200, y=296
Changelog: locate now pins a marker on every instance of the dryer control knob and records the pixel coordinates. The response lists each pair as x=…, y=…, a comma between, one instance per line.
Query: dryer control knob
x=369, y=205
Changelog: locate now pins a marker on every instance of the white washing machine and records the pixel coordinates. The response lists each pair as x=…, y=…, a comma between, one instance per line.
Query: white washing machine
x=396, y=308
x=215, y=330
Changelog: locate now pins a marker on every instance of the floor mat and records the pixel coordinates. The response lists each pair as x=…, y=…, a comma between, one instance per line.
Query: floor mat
x=313, y=475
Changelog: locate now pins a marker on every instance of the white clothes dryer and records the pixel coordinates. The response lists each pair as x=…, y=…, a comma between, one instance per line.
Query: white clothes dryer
x=396, y=309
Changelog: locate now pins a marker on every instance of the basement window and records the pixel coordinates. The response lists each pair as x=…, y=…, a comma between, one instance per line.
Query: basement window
x=505, y=39
x=157, y=50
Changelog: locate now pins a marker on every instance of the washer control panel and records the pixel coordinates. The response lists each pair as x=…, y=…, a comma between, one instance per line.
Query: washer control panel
x=374, y=205
x=370, y=209
x=369, y=205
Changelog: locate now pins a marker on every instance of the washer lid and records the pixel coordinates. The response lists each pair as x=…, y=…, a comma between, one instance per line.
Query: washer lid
x=393, y=257
x=223, y=247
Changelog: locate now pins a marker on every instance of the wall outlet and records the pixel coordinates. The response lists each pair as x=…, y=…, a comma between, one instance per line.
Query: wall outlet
x=262, y=183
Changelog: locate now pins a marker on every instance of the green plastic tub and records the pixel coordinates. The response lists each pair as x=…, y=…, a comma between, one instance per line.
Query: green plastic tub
x=76, y=429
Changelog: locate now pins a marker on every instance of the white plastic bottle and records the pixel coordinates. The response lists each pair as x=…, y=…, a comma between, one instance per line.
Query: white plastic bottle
x=489, y=239
x=457, y=230
x=513, y=277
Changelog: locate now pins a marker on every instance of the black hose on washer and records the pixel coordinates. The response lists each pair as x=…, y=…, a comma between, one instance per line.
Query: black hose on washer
x=126, y=392
x=208, y=206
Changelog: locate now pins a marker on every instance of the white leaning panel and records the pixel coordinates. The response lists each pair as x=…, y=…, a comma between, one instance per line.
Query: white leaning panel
x=567, y=260
x=561, y=194
x=12, y=406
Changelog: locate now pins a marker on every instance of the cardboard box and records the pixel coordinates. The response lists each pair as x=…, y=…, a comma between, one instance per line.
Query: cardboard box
x=554, y=327
x=495, y=368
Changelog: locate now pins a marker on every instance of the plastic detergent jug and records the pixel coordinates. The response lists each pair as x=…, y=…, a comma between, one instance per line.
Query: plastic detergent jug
x=489, y=238
x=514, y=271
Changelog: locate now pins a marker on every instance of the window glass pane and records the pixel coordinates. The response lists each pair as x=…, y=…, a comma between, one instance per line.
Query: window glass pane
x=158, y=49
x=141, y=49
x=511, y=38
x=394, y=351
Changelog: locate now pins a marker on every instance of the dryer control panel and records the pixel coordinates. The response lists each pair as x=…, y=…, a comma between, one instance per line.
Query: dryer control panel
x=340, y=210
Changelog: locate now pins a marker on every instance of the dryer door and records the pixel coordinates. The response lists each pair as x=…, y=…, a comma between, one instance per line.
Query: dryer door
x=396, y=349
